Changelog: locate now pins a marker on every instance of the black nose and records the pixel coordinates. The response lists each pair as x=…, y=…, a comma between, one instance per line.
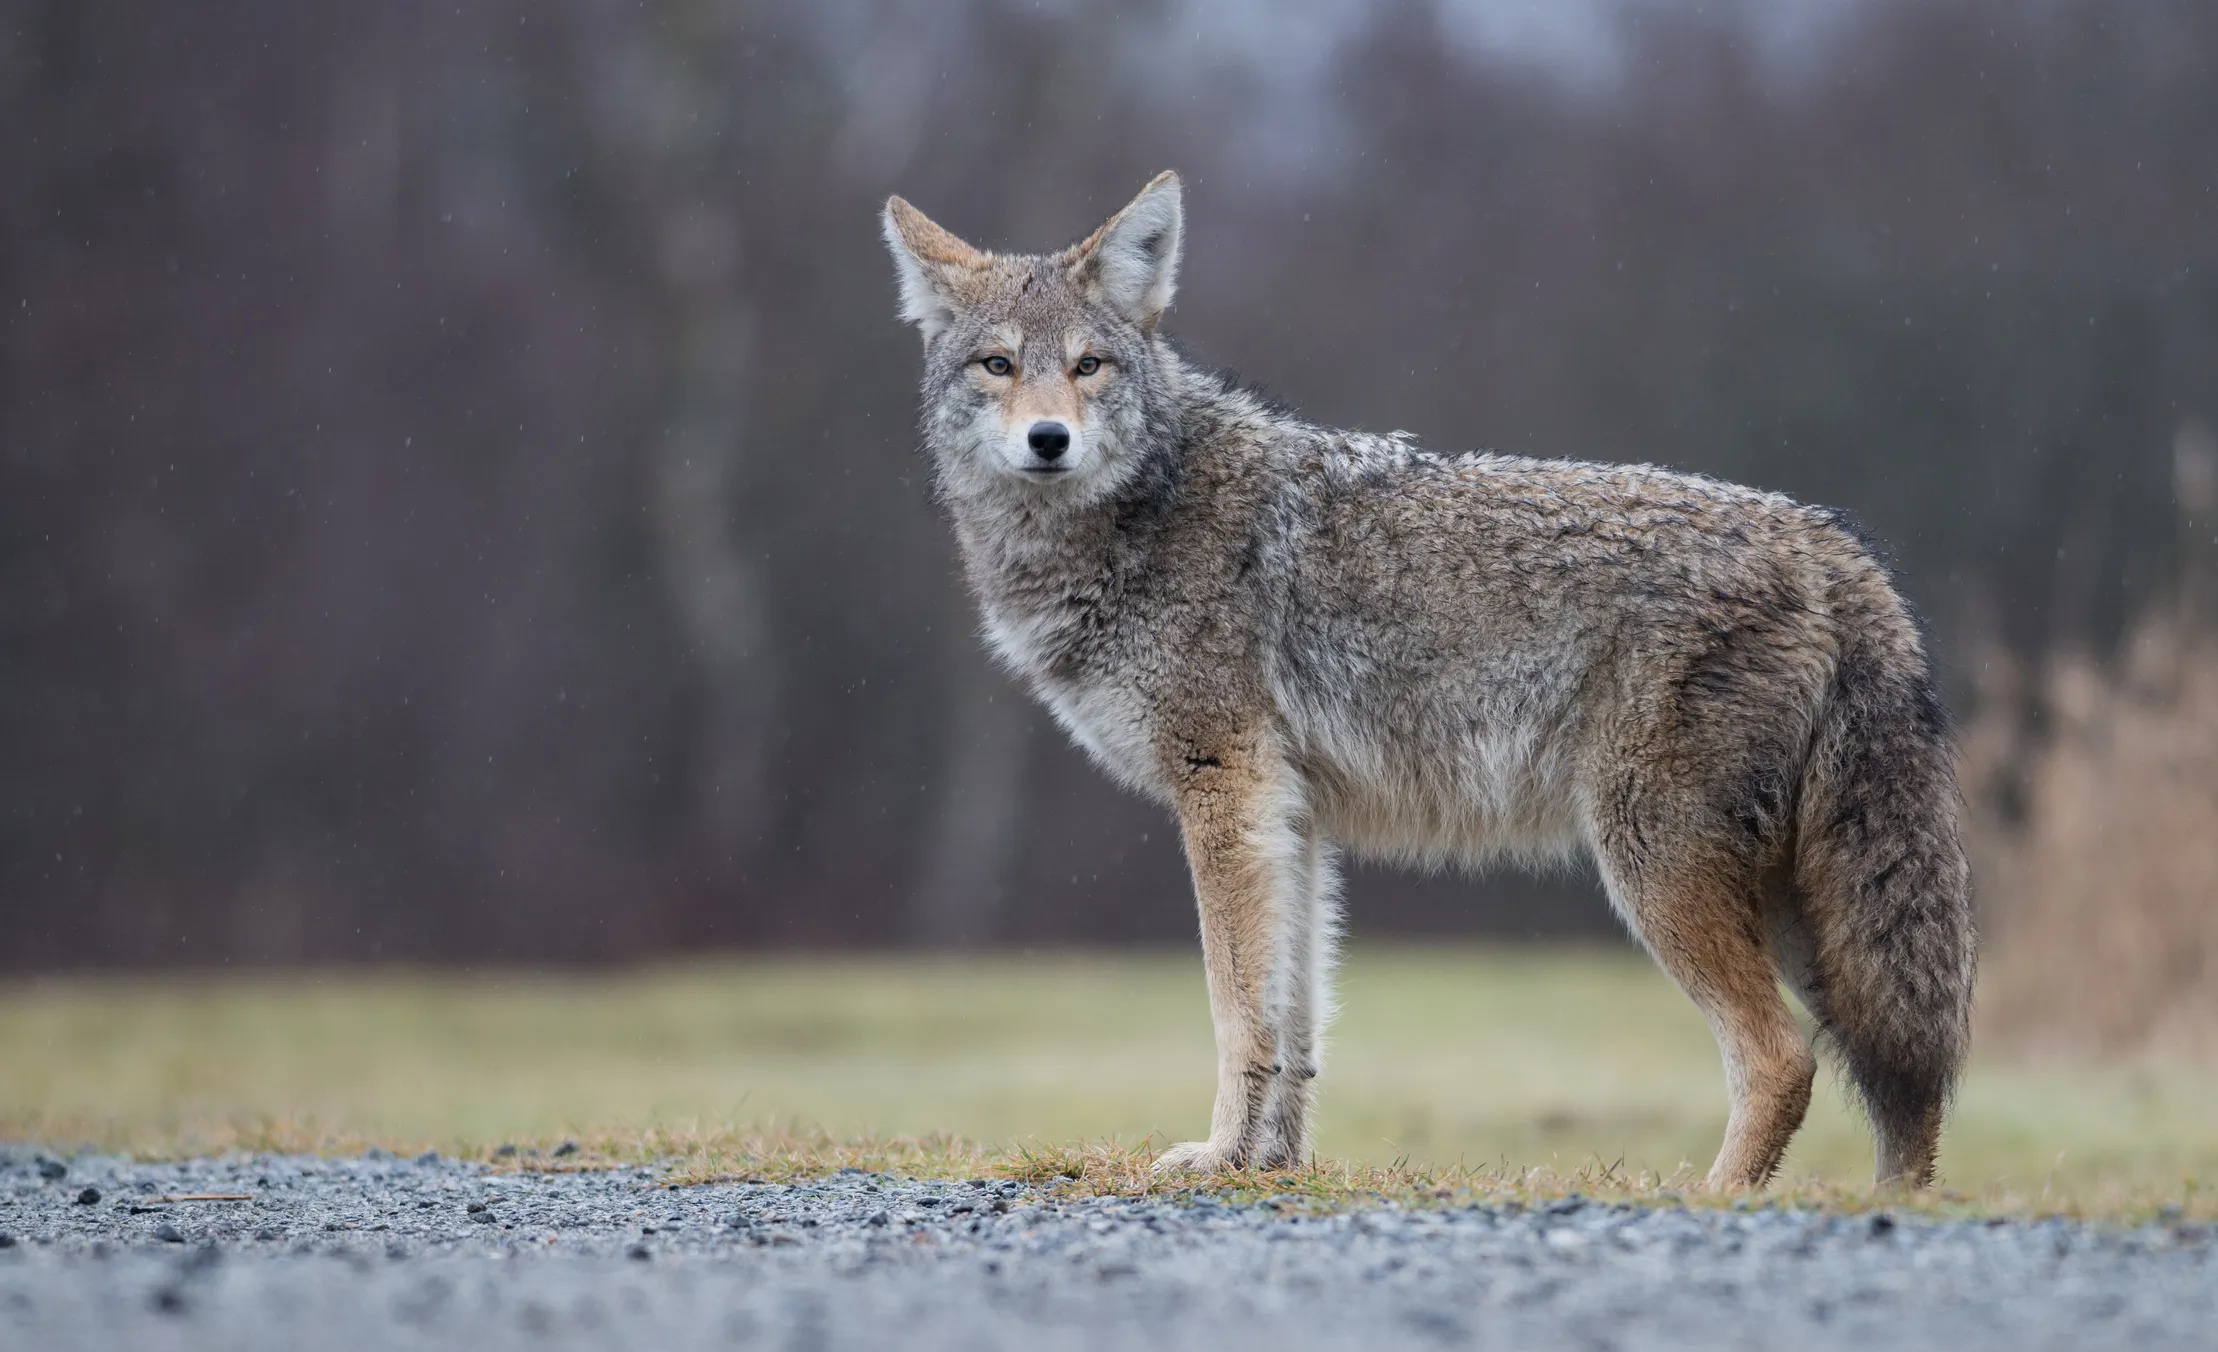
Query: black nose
x=1048, y=440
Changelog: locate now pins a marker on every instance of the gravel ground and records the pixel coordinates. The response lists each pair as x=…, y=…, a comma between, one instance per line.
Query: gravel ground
x=387, y=1252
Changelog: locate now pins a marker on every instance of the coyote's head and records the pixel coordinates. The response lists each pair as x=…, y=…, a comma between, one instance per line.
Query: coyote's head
x=1040, y=371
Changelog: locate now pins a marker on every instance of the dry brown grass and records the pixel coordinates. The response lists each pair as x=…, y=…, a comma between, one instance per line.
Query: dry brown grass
x=1096, y=1168
x=2096, y=844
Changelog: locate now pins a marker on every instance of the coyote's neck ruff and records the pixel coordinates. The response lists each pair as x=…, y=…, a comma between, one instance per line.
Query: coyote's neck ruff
x=1300, y=639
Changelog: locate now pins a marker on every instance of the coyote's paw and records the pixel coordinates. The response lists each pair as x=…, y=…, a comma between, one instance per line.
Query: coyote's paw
x=1198, y=1157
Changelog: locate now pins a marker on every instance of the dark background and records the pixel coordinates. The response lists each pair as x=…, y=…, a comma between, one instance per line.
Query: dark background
x=458, y=497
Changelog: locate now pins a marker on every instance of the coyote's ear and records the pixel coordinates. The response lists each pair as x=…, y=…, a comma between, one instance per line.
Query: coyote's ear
x=928, y=262
x=1132, y=262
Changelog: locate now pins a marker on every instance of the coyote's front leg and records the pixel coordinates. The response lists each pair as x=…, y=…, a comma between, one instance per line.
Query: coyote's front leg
x=1240, y=812
x=1309, y=926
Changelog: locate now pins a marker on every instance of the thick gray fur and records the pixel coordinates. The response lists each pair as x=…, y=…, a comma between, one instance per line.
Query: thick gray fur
x=1303, y=639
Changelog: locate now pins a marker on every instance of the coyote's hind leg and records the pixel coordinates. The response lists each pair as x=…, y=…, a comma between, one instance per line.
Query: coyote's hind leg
x=1702, y=921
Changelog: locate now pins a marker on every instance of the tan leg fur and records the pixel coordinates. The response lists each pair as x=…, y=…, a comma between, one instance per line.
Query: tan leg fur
x=1250, y=864
x=1701, y=927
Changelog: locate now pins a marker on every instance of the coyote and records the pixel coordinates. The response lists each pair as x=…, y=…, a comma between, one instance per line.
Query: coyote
x=1304, y=640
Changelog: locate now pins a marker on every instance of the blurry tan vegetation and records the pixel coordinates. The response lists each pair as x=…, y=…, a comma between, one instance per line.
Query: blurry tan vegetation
x=2094, y=786
x=1502, y=1071
x=2097, y=850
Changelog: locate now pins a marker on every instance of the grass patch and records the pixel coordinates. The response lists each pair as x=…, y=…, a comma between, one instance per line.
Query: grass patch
x=1453, y=1072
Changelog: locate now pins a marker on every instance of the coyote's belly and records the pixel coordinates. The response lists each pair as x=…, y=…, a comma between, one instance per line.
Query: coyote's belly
x=1435, y=767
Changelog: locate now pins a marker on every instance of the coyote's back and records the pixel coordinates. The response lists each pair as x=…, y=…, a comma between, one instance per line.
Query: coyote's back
x=1303, y=639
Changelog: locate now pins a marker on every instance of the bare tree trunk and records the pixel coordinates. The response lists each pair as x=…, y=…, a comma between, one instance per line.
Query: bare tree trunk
x=971, y=847
x=662, y=143
x=716, y=584
x=2195, y=495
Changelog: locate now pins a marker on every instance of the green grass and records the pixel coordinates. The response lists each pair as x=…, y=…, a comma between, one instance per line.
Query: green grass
x=1450, y=1068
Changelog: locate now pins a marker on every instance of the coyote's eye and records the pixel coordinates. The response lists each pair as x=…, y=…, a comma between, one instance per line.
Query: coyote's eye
x=1088, y=364
x=997, y=365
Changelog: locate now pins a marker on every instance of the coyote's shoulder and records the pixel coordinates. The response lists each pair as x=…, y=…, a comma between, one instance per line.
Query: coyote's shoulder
x=1303, y=639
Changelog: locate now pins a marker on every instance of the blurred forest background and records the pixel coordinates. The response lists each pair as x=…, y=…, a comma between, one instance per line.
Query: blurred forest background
x=458, y=497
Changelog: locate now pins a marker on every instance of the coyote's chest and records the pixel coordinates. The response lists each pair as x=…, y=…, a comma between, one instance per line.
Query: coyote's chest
x=1113, y=721
x=1072, y=666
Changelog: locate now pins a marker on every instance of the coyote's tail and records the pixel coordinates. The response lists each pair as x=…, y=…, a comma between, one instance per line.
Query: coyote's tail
x=1883, y=882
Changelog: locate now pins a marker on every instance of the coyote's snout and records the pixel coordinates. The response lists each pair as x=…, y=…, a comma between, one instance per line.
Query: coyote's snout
x=1303, y=640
